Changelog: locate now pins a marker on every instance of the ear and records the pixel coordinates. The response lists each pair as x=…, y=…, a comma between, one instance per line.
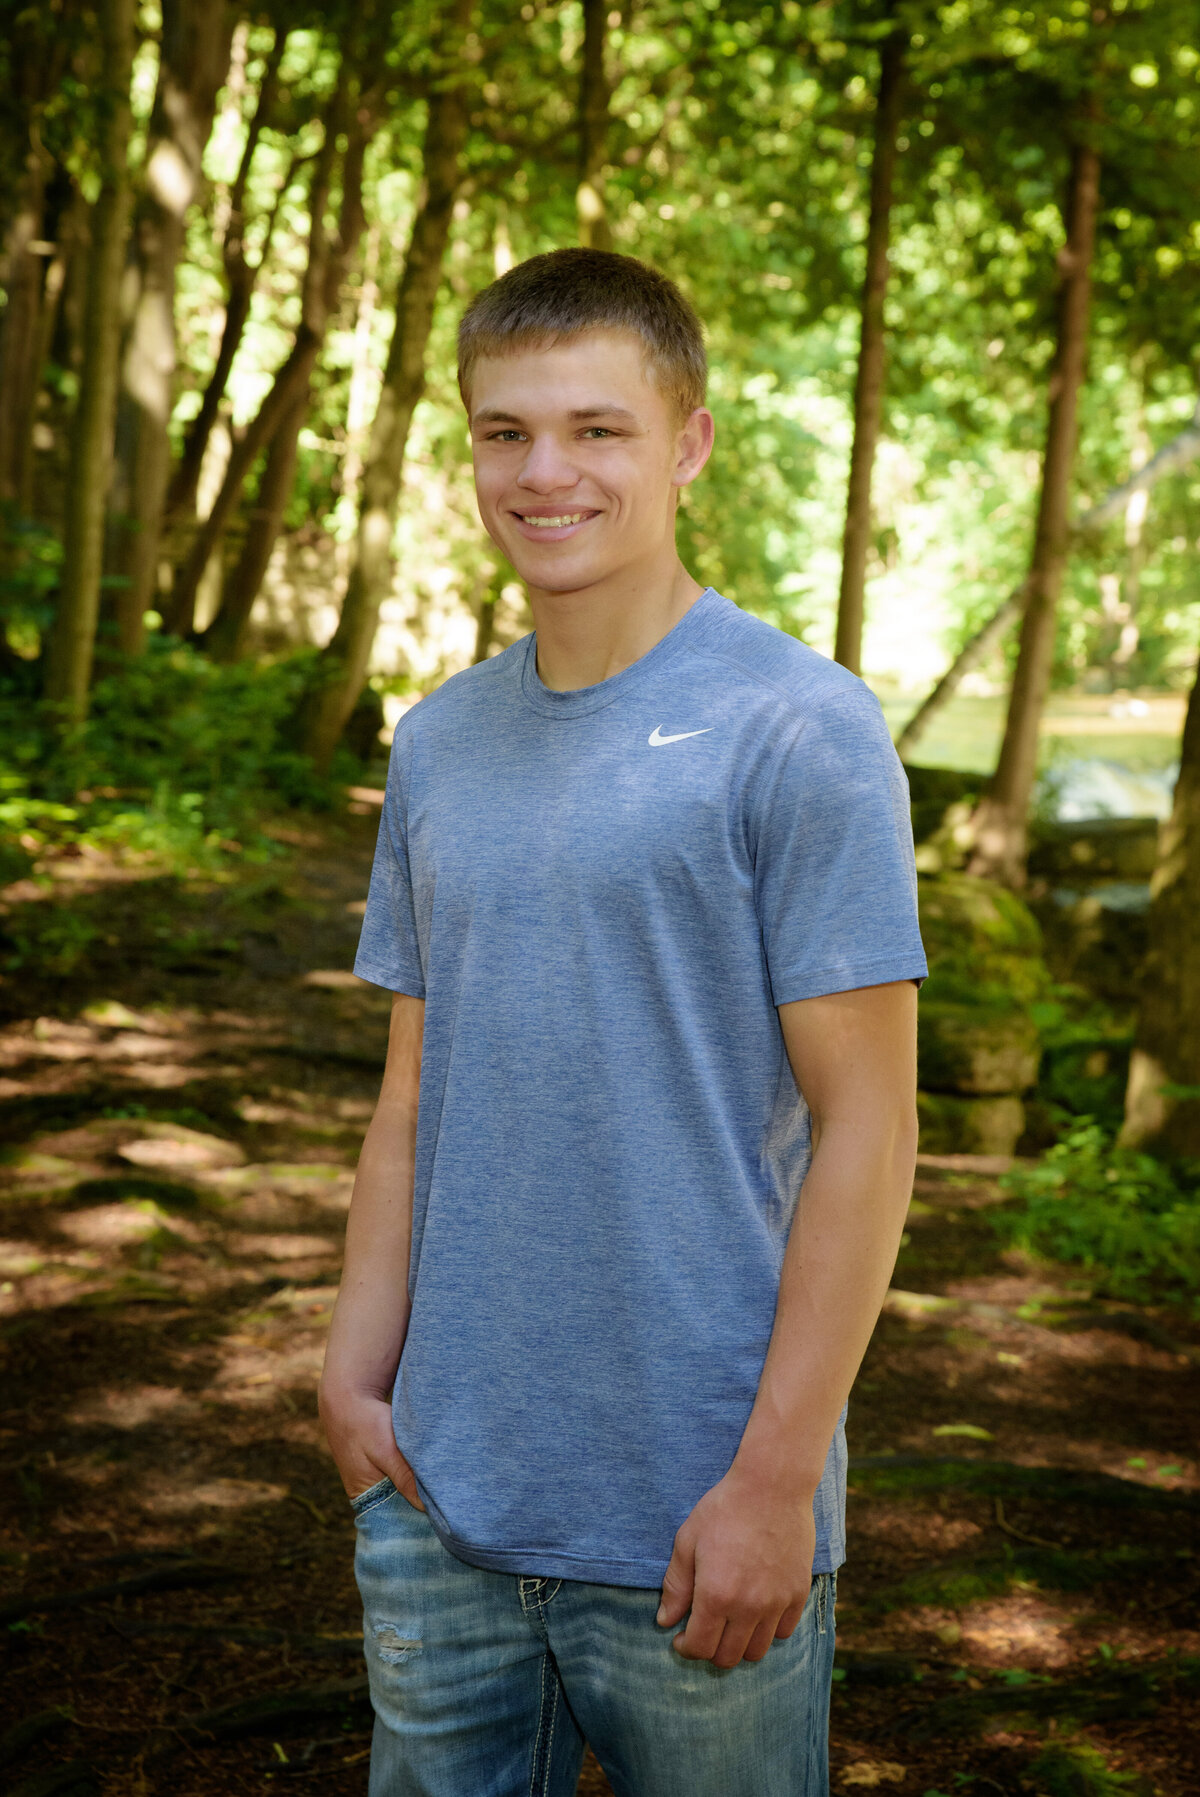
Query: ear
x=693, y=447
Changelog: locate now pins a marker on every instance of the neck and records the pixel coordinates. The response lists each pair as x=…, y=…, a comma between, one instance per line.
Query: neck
x=591, y=634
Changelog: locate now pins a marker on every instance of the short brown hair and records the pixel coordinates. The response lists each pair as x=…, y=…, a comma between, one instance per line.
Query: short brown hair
x=564, y=292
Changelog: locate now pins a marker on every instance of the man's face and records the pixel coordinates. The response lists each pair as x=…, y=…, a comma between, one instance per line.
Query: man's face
x=579, y=459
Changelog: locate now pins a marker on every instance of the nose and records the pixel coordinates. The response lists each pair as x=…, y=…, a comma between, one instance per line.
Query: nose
x=548, y=467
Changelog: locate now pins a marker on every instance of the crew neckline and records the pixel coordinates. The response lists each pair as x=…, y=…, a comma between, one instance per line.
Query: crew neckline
x=578, y=700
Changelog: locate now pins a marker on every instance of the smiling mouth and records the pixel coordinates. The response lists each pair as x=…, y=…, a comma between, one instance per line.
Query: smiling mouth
x=557, y=522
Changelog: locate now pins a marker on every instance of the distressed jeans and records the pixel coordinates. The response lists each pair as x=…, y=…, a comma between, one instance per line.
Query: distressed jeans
x=489, y=1684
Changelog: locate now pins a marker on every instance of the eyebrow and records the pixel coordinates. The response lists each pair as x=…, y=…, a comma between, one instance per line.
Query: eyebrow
x=490, y=415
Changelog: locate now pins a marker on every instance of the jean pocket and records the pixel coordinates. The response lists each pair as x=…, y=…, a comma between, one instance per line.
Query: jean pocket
x=374, y=1494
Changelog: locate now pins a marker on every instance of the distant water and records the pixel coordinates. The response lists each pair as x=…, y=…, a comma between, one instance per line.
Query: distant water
x=1073, y=790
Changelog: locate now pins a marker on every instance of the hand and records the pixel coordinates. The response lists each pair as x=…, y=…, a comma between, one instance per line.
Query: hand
x=358, y=1428
x=742, y=1562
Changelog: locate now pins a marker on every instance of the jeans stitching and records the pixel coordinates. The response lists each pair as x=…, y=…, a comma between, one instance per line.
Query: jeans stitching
x=534, y=1789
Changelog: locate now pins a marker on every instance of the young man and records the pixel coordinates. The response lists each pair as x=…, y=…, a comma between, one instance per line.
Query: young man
x=644, y=893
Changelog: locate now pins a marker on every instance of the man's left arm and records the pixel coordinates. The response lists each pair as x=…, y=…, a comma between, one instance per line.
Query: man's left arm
x=742, y=1559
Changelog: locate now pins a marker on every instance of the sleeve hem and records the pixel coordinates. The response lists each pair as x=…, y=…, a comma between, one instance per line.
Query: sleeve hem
x=787, y=989
x=394, y=980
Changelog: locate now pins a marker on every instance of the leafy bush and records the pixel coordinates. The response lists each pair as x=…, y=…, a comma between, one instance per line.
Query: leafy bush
x=1128, y=1218
x=179, y=759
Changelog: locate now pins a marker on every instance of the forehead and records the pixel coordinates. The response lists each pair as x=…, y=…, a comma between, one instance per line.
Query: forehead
x=587, y=371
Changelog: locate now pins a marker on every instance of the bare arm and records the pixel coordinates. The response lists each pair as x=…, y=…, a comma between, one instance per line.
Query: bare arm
x=743, y=1557
x=371, y=1316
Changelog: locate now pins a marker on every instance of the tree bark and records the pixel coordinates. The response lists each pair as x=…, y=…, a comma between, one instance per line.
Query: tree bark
x=872, y=357
x=72, y=637
x=20, y=337
x=289, y=383
x=1166, y=1049
x=196, y=37
x=1001, y=821
x=1176, y=454
x=590, y=204
x=225, y=636
x=240, y=278
x=224, y=640
x=345, y=659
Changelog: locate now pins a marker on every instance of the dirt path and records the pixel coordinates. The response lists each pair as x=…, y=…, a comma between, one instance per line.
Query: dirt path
x=181, y=1118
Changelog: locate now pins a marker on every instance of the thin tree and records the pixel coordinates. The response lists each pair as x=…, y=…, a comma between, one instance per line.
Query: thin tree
x=225, y=637
x=594, y=93
x=1001, y=821
x=1162, y=1098
x=72, y=637
x=872, y=356
x=290, y=382
x=38, y=53
x=345, y=658
x=241, y=276
x=196, y=38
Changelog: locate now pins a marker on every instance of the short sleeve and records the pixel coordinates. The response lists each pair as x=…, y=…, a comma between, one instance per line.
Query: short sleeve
x=835, y=875
x=389, y=950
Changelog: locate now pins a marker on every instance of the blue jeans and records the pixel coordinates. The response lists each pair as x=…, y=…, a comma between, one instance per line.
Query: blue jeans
x=489, y=1684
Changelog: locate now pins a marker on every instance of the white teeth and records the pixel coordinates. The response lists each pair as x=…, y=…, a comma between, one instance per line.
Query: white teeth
x=553, y=523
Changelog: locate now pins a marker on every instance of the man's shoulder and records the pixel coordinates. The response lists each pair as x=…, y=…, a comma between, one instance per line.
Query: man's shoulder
x=803, y=679
x=462, y=694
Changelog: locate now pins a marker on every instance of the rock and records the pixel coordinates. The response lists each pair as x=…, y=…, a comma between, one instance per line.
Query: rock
x=951, y=1123
x=982, y=941
x=980, y=1049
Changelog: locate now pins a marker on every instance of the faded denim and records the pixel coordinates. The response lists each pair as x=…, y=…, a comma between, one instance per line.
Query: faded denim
x=488, y=1684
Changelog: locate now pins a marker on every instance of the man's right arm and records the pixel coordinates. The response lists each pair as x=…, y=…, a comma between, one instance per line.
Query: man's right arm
x=371, y=1315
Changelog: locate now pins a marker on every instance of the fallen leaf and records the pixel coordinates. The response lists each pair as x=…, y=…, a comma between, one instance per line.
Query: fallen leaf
x=868, y=1775
x=972, y=1430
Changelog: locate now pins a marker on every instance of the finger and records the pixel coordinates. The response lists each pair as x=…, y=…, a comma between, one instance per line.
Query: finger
x=404, y=1479
x=759, y=1642
x=678, y=1584
x=702, y=1636
x=787, y=1622
x=735, y=1639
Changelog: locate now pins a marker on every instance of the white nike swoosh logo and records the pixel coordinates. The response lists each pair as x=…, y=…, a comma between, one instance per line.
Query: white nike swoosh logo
x=656, y=739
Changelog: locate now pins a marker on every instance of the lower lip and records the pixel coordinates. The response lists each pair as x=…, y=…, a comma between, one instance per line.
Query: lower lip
x=560, y=533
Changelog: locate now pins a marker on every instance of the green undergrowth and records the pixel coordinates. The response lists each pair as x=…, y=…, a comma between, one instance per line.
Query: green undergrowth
x=1131, y=1221
x=1077, y=1769
x=181, y=760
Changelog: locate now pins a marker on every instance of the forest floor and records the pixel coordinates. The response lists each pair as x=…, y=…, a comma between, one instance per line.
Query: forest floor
x=180, y=1117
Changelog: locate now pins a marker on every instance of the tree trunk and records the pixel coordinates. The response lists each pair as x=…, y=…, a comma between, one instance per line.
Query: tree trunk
x=72, y=637
x=1166, y=1051
x=346, y=656
x=869, y=381
x=196, y=37
x=224, y=640
x=290, y=382
x=1000, y=824
x=241, y=278
x=590, y=205
x=19, y=340
x=1176, y=454
x=226, y=634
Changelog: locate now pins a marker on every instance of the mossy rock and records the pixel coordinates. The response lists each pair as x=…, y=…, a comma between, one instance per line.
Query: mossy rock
x=976, y=1048
x=951, y=1123
x=983, y=943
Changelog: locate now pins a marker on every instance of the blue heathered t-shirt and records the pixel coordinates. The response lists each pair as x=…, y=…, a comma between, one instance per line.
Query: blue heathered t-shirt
x=602, y=895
